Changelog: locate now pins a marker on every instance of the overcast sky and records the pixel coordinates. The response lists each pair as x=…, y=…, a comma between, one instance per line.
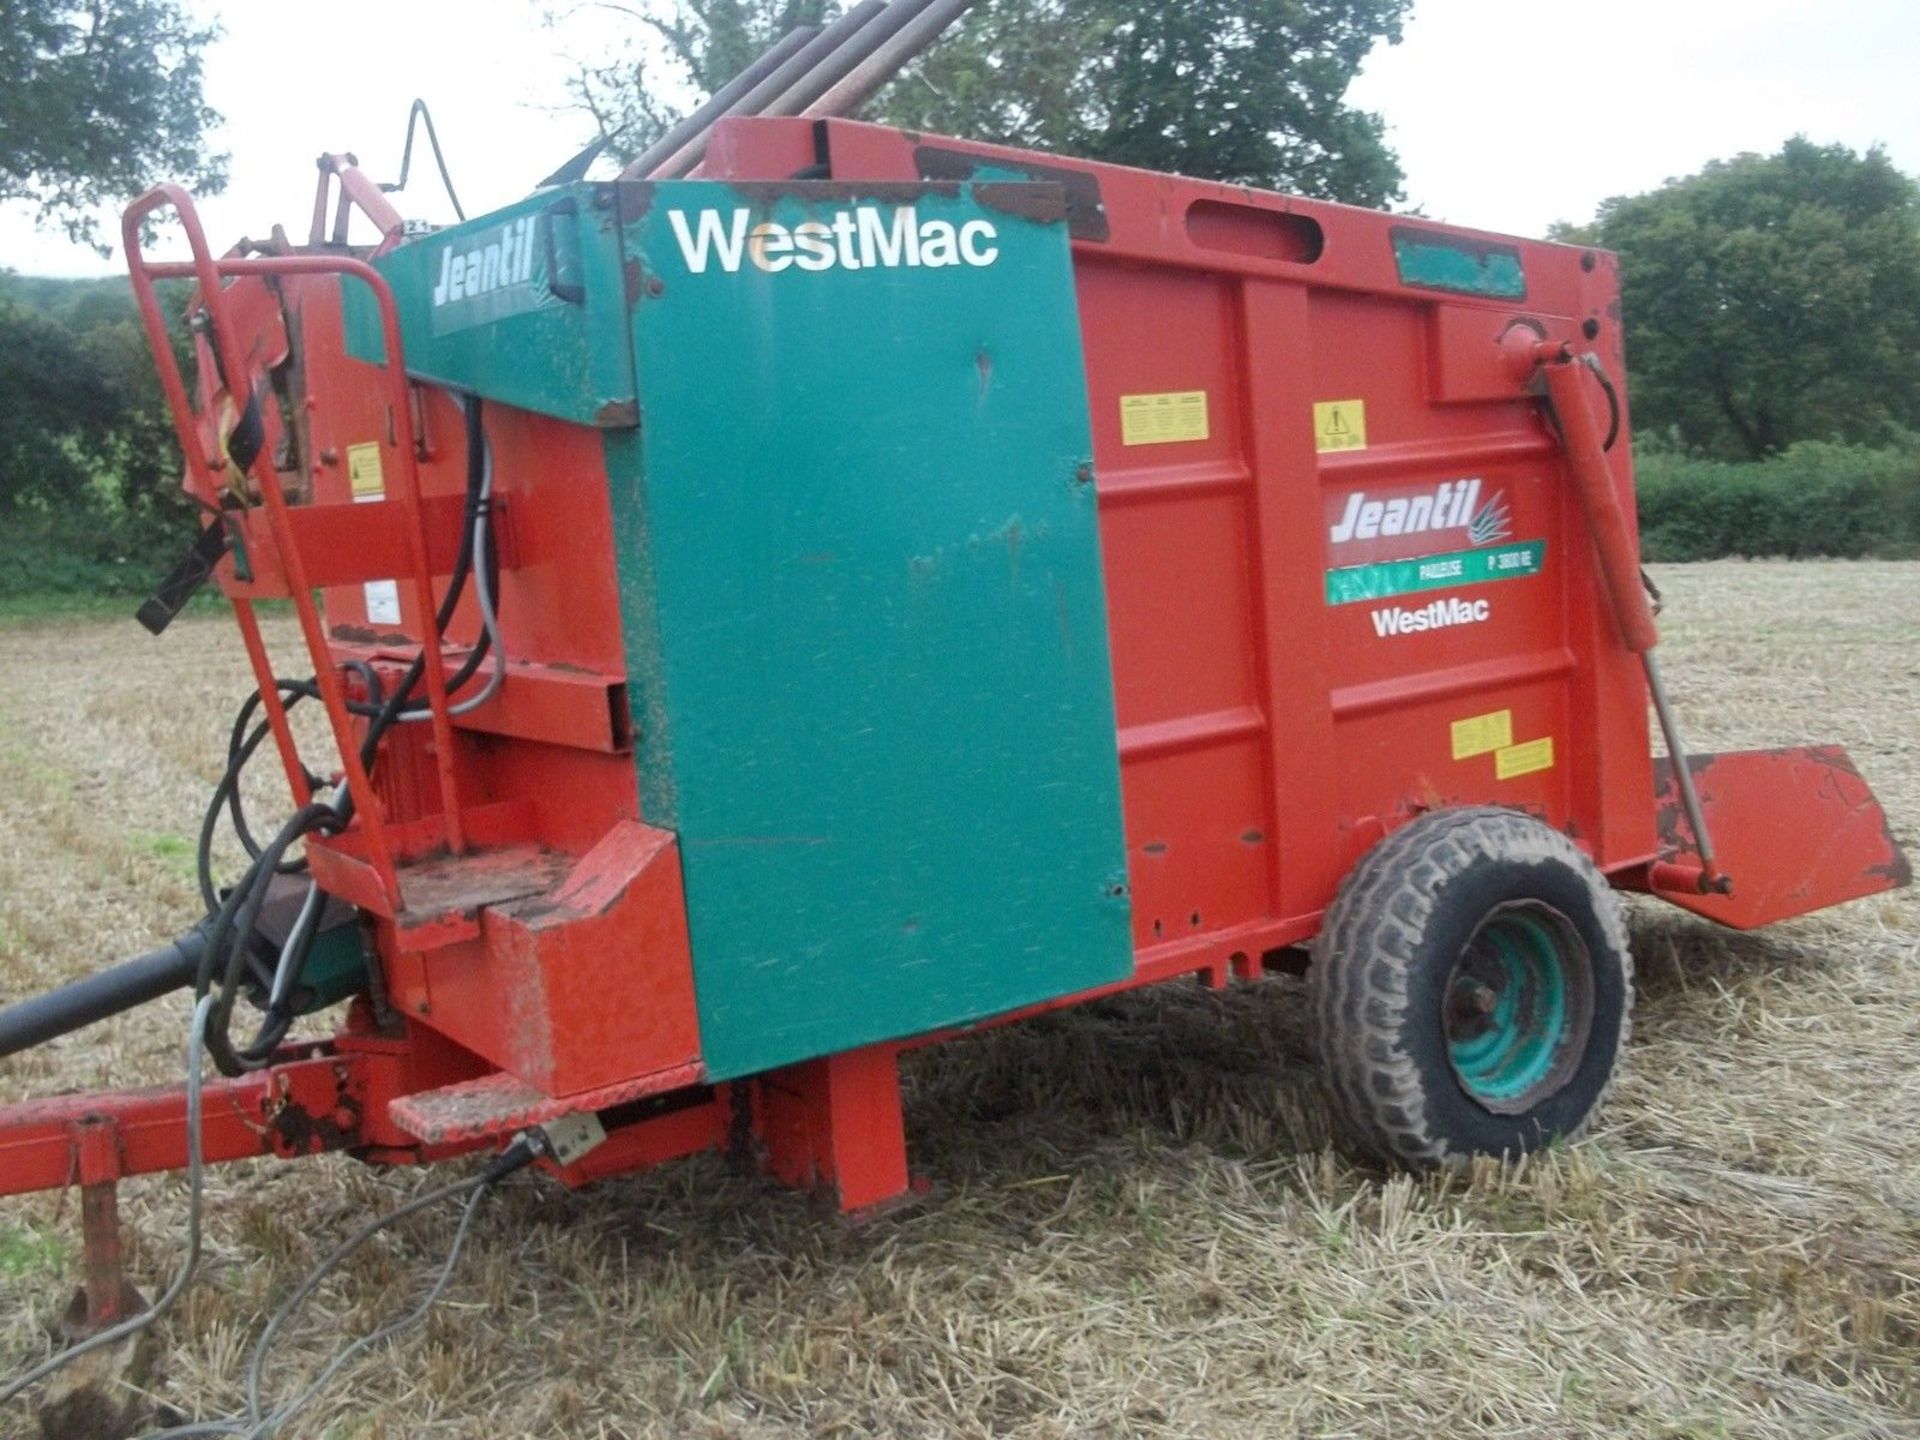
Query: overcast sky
x=1507, y=115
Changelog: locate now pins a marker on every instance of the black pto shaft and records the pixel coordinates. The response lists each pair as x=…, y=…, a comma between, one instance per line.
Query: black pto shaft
x=109, y=992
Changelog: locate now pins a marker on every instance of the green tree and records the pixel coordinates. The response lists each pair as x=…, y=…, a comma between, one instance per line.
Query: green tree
x=1771, y=299
x=1250, y=91
x=100, y=100
x=89, y=471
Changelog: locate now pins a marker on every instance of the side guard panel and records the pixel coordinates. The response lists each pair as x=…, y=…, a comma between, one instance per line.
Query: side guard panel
x=1796, y=829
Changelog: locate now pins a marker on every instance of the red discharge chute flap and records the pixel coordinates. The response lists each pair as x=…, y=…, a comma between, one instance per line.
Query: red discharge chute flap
x=1796, y=829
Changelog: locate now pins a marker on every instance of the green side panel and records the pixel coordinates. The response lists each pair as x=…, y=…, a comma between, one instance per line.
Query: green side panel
x=865, y=621
x=1436, y=261
x=527, y=306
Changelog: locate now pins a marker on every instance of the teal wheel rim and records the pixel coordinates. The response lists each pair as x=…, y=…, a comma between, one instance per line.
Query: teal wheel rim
x=1519, y=1003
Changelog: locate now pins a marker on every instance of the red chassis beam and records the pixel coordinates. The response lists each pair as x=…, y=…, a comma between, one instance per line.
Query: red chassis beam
x=313, y=1101
x=335, y=1096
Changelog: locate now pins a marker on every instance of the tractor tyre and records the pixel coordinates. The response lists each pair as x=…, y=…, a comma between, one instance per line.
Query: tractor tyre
x=1471, y=989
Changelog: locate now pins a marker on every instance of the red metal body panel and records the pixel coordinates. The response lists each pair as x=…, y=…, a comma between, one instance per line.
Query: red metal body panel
x=530, y=924
x=1266, y=736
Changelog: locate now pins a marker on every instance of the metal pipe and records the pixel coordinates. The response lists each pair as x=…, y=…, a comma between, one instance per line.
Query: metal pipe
x=858, y=85
x=108, y=992
x=1711, y=876
x=869, y=38
x=719, y=103
x=813, y=53
x=1619, y=565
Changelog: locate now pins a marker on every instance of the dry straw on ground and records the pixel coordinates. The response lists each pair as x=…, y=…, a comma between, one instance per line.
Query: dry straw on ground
x=1138, y=1227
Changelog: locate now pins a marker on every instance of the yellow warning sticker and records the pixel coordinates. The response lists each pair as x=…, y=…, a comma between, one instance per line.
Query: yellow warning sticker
x=1339, y=425
x=1478, y=734
x=363, y=471
x=1164, y=419
x=1516, y=760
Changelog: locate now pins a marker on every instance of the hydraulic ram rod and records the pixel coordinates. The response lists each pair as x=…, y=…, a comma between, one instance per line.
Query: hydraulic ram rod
x=1620, y=570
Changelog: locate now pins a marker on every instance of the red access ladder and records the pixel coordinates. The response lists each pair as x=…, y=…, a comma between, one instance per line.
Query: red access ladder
x=249, y=430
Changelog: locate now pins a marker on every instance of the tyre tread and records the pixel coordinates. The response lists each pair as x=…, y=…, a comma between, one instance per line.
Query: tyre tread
x=1362, y=957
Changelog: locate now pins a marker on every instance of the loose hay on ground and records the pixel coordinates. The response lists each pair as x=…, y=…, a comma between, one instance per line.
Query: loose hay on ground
x=1138, y=1227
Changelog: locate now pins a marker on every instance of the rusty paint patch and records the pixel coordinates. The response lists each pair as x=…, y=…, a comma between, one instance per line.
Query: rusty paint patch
x=500, y=1104
x=765, y=194
x=365, y=635
x=617, y=415
x=1043, y=203
x=633, y=199
x=1086, y=210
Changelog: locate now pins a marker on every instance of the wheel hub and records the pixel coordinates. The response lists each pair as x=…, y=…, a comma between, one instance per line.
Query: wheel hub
x=1519, y=1003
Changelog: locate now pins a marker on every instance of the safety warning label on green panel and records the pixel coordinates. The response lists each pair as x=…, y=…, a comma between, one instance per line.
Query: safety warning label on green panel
x=1386, y=578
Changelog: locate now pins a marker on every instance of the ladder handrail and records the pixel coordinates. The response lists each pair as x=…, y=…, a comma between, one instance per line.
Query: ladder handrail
x=203, y=477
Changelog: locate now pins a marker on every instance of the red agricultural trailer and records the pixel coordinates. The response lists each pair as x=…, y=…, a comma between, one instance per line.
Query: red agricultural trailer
x=887, y=585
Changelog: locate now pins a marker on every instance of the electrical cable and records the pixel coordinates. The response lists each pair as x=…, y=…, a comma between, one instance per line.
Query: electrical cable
x=419, y=111
x=229, y=956
x=485, y=576
x=1592, y=362
x=196, y=1174
x=525, y=1148
x=240, y=750
x=1614, y=413
x=258, y=1423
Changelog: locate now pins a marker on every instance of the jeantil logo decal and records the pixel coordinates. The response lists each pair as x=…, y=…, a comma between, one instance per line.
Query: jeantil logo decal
x=1454, y=505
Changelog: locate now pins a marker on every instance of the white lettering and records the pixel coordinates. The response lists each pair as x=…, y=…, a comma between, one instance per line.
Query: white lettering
x=939, y=245
x=843, y=239
x=880, y=246
x=973, y=248
x=771, y=248
x=1343, y=532
x=505, y=259
x=712, y=238
x=1463, y=511
x=1402, y=620
x=859, y=239
x=813, y=245
x=1453, y=505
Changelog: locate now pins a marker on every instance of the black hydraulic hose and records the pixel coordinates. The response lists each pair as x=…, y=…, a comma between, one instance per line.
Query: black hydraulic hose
x=233, y=917
x=108, y=992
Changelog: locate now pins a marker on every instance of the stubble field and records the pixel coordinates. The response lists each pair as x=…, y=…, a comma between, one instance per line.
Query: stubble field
x=1139, y=1225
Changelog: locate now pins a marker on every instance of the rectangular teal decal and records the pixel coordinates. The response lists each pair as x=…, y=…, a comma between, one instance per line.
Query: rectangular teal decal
x=1387, y=578
x=1437, y=261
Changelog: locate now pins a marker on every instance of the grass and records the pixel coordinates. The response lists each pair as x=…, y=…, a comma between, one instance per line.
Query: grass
x=31, y=1253
x=1140, y=1225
